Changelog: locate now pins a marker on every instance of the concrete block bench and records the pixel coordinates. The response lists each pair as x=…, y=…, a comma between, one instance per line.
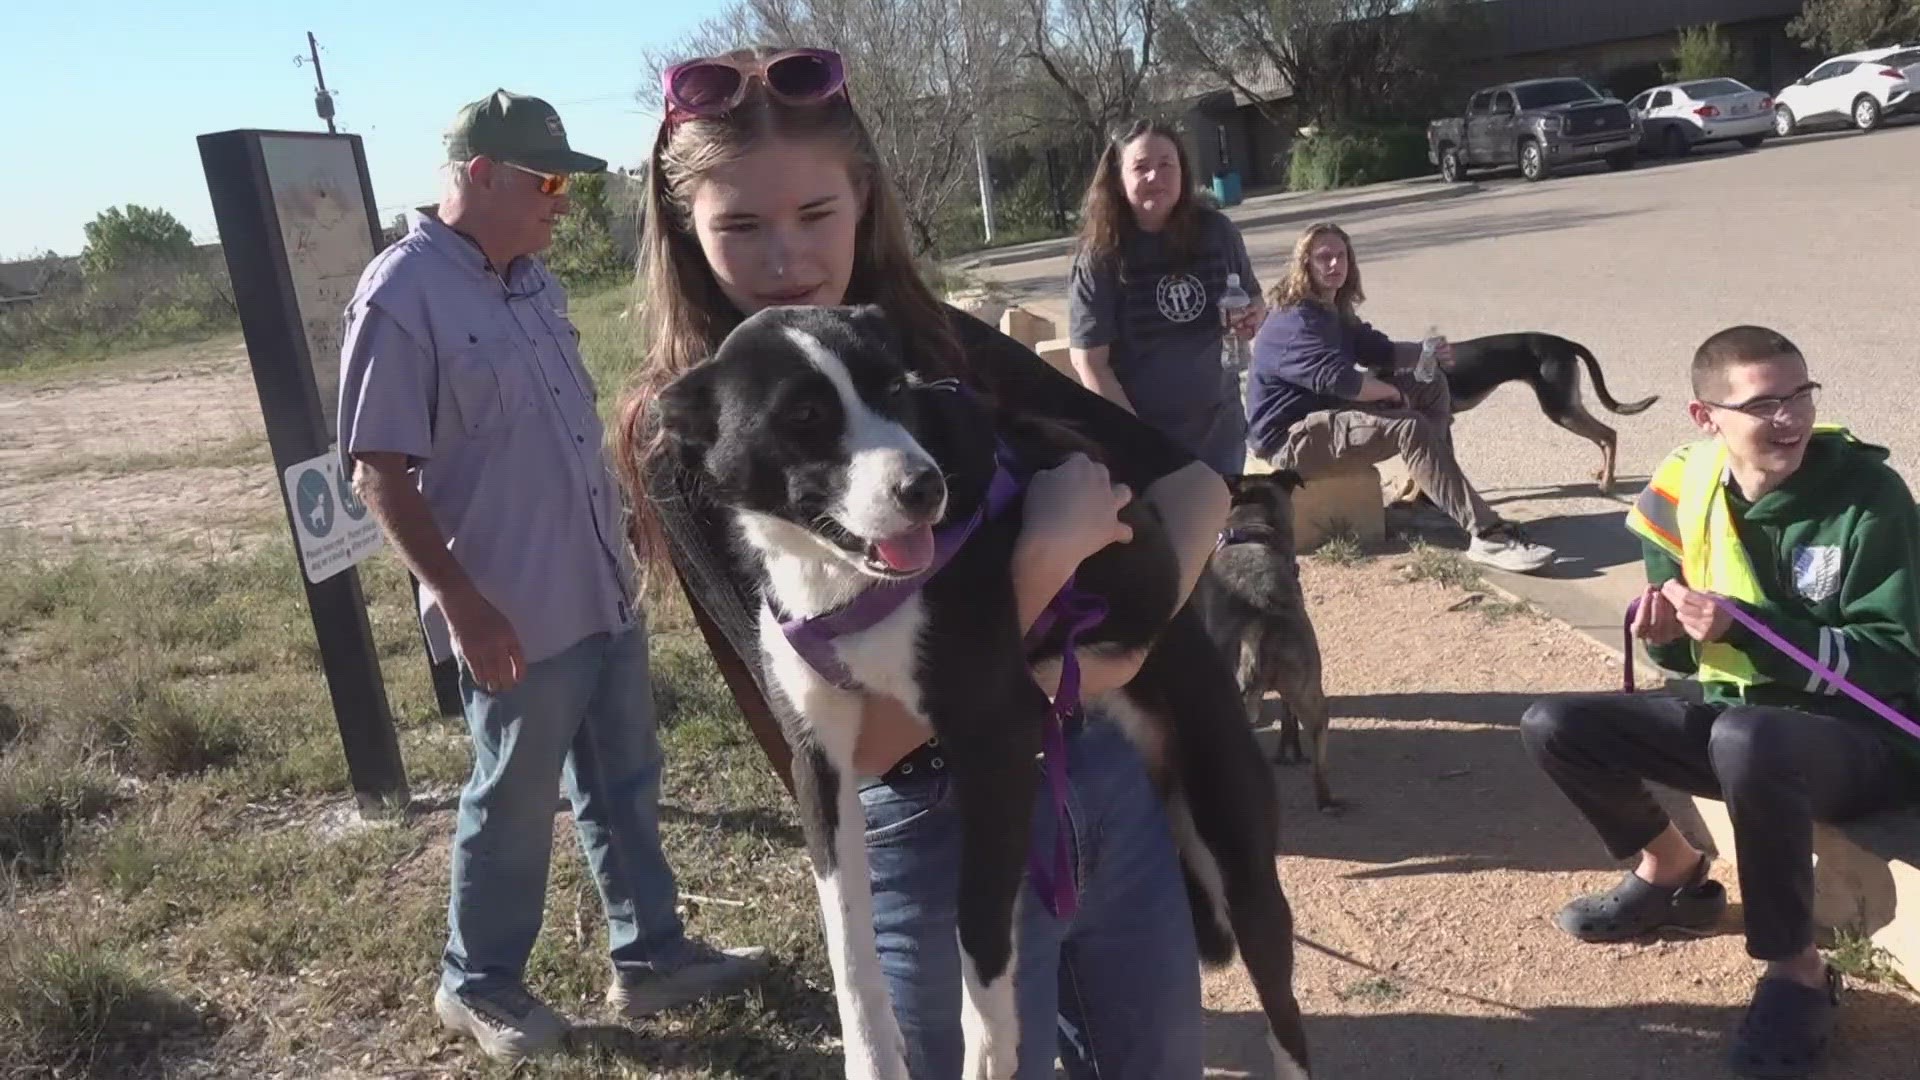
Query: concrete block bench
x=1866, y=877
x=1055, y=351
x=1345, y=502
x=1026, y=327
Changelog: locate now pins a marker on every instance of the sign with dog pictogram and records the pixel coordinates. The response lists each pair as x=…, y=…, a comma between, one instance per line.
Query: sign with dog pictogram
x=331, y=525
x=297, y=224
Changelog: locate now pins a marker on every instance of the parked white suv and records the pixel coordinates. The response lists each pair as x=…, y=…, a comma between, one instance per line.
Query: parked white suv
x=1679, y=116
x=1861, y=88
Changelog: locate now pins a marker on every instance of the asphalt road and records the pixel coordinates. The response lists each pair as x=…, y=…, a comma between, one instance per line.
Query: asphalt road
x=1817, y=237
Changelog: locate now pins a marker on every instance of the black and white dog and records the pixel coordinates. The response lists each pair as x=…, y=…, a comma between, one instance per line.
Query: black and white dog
x=845, y=474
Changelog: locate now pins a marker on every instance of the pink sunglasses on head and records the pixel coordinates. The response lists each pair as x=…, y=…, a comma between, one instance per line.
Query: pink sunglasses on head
x=713, y=86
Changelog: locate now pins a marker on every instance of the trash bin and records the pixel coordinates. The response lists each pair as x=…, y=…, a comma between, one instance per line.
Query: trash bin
x=1226, y=188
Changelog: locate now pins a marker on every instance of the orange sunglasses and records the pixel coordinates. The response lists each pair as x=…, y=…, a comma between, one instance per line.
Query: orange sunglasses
x=553, y=184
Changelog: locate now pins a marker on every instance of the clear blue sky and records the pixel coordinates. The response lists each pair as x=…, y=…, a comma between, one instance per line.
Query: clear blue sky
x=105, y=99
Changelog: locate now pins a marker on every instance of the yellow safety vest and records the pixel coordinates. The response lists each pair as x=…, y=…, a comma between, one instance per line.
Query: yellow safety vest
x=1684, y=512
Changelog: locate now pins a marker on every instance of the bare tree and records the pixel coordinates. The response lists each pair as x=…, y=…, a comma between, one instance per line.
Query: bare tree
x=1338, y=59
x=922, y=72
x=1101, y=54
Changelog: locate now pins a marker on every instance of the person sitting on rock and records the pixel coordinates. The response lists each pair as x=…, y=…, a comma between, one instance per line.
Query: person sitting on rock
x=1327, y=393
x=1808, y=530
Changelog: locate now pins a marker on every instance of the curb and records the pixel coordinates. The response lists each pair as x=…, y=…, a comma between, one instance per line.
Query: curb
x=1518, y=591
x=1274, y=212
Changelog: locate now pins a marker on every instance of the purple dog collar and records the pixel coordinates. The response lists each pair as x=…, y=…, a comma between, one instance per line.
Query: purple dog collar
x=814, y=640
x=1788, y=649
x=1242, y=534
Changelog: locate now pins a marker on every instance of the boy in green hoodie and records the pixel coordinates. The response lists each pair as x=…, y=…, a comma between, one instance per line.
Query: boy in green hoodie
x=1808, y=529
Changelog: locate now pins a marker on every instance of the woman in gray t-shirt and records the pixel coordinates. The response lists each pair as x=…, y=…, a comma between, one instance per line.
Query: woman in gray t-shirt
x=1144, y=325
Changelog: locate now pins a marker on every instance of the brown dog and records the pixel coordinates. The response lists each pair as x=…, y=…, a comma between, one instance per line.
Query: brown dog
x=1256, y=613
x=1551, y=365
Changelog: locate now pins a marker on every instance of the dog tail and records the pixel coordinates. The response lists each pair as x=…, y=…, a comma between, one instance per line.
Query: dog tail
x=1600, y=386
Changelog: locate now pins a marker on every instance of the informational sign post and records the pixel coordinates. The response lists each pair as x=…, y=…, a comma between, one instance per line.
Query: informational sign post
x=297, y=223
x=332, y=526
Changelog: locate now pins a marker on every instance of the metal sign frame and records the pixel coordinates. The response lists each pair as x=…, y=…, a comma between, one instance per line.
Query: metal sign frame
x=283, y=374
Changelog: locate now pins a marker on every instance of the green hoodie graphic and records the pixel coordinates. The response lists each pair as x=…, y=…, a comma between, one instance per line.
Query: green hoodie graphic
x=1836, y=550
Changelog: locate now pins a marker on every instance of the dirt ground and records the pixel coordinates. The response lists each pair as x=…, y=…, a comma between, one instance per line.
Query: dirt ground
x=1426, y=947
x=1423, y=909
x=72, y=450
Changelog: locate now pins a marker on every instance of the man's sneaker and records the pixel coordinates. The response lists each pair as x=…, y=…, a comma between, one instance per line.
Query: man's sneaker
x=700, y=970
x=508, y=1023
x=1506, y=547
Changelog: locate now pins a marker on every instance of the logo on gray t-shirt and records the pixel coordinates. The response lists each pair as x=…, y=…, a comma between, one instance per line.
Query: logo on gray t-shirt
x=1181, y=297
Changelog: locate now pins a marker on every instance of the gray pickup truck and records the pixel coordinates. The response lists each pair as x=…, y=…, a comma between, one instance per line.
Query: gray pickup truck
x=1538, y=125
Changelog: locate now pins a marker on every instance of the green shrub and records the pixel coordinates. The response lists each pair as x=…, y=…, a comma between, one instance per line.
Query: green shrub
x=1701, y=54
x=1022, y=213
x=1349, y=155
x=584, y=255
x=140, y=307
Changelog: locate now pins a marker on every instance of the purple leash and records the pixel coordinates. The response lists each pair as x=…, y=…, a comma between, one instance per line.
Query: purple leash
x=1792, y=652
x=1081, y=612
x=813, y=638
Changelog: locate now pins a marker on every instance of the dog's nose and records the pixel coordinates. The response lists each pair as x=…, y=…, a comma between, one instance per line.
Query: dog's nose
x=922, y=492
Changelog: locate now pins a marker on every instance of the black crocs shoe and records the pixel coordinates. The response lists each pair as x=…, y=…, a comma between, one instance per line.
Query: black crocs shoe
x=1786, y=1030
x=1636, y=907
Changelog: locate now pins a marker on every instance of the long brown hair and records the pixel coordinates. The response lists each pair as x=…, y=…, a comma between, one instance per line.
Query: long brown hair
x=1106, y=218
x=1297, y=287
x=686, y=314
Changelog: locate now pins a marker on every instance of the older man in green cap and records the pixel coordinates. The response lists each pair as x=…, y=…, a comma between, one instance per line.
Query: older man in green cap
x=472, y=427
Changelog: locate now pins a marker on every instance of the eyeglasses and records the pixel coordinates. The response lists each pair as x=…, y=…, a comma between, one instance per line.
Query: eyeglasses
x=713, y=86
x=553, y=184
x=1802, y=400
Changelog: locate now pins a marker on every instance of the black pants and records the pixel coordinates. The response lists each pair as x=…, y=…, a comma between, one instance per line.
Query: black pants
x=1778, y=771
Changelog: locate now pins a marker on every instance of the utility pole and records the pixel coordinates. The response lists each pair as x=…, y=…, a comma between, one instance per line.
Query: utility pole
x=986, y=181
x=322, y=100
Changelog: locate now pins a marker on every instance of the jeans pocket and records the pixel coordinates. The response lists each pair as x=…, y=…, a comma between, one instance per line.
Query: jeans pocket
x=898, y=813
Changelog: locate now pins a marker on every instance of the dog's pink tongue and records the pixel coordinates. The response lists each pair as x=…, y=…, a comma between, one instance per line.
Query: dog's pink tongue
x=910, y=552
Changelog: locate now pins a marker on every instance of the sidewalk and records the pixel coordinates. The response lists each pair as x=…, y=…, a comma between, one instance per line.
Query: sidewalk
x=1279, y=208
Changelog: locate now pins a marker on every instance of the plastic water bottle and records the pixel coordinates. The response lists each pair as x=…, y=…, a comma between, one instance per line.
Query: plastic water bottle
x=1429, y=365
x=1233, y=348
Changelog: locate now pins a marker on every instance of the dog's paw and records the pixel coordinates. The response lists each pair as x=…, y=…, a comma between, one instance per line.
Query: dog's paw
x=991, y=1061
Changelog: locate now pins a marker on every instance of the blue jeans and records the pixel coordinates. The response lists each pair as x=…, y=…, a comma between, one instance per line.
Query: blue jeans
x=1115, y=990
x=585, y=715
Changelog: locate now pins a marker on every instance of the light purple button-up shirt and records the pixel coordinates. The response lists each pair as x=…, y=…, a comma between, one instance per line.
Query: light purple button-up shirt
x=479, y=379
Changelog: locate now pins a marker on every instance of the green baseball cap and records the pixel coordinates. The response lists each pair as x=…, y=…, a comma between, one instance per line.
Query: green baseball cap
x=519, y=129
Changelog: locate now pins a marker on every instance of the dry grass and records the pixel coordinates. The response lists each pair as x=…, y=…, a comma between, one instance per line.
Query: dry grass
x=1855, y=955
x=241, y=450
x=1428, y=563
x=187, y=891
x=1340, y=546
x=172, y=780
x=72, y=1003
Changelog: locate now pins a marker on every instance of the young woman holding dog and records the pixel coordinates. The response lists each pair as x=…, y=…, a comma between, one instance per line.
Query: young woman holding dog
x=1327, y=392
x=1144, y=321
x=764, y=189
